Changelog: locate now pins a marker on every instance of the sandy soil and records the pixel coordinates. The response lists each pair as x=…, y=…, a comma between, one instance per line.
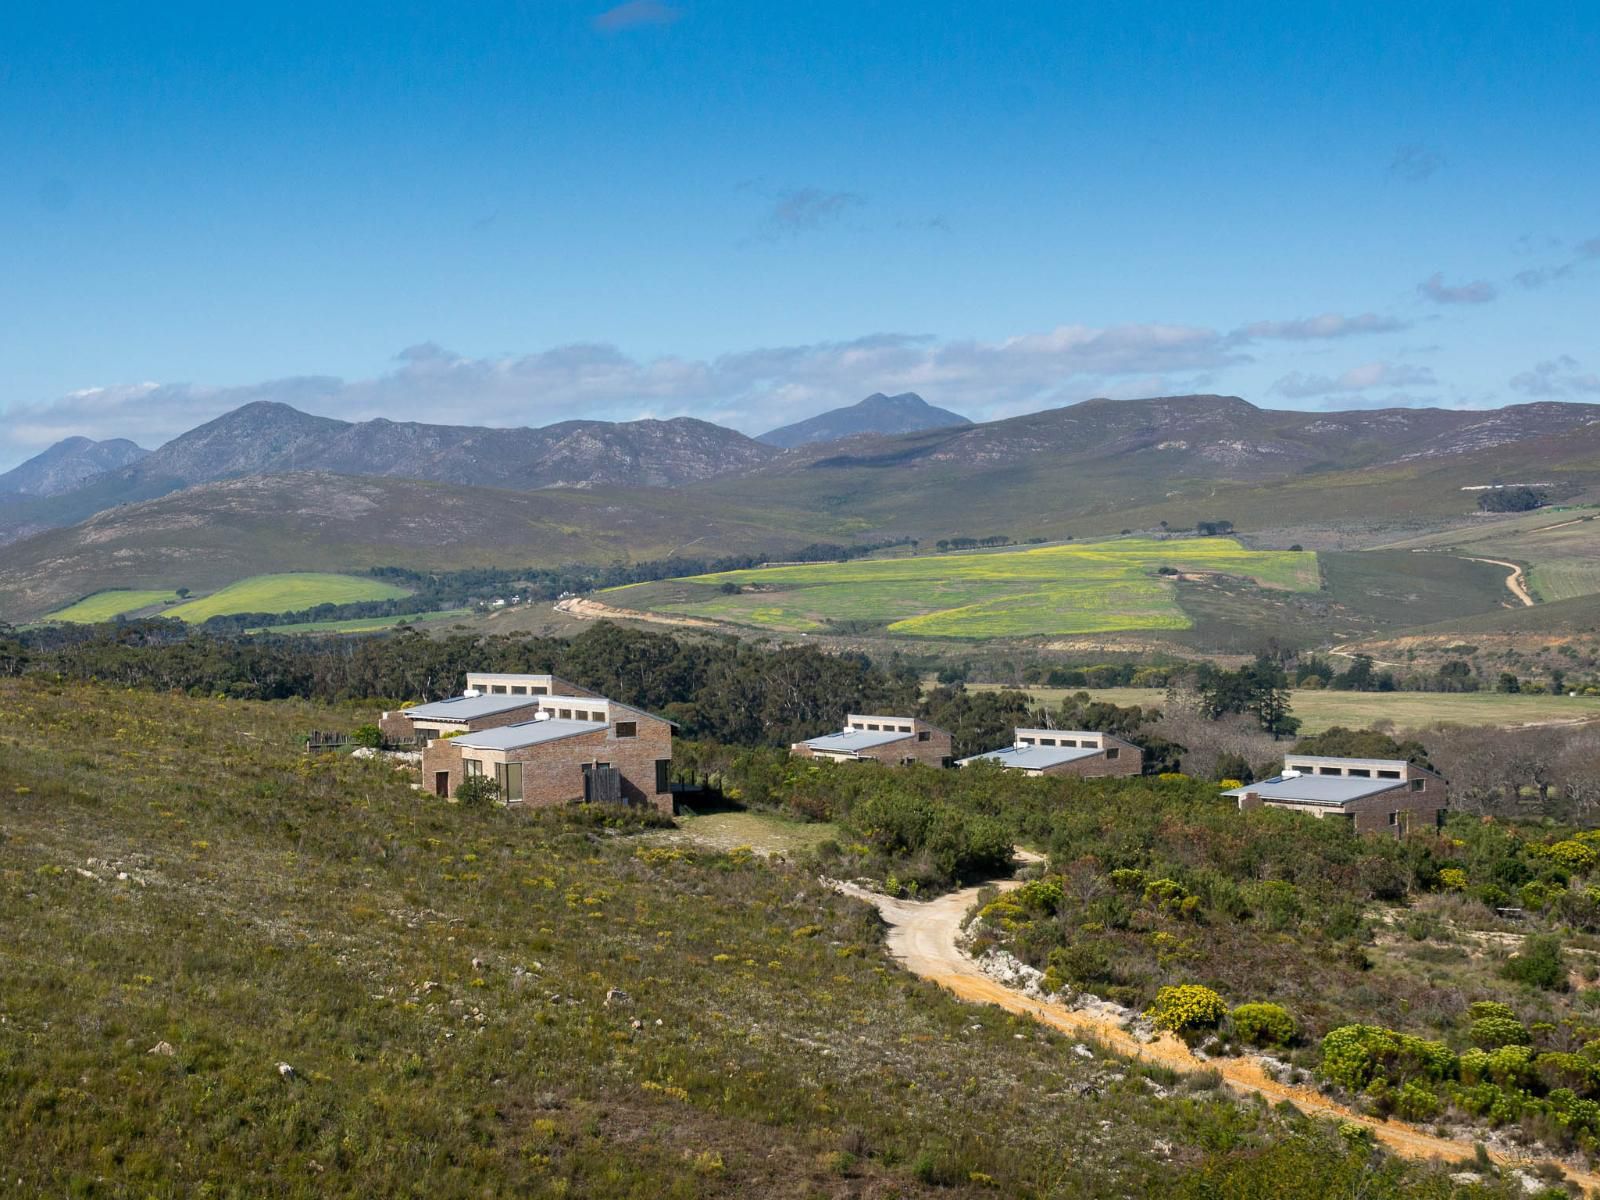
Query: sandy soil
x=922, y=937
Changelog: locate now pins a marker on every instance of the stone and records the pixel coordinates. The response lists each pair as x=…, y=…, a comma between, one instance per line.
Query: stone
x=286, y=1071
x=164, y=1049
x=616, y=996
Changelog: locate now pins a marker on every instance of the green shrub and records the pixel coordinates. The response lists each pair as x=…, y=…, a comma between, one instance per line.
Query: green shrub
x=1186, y=1008
x=1575, y=856
x=1492, y=1032
x=1557, y=1070
x=1263, y=1024
x=1354, y=1055
x=477, y=791
x=1539, y=964
x=1416, y=1102
x=369, y=736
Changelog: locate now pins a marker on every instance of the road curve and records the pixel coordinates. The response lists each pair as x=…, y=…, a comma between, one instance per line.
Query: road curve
x=1516, y=582
x=923, y=938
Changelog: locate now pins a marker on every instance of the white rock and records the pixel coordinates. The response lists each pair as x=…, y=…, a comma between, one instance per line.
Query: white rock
x=285, y=1070
x=162, y=1048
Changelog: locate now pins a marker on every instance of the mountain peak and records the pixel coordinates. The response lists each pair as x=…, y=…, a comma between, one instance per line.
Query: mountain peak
x=878, y=413
x=69, y=464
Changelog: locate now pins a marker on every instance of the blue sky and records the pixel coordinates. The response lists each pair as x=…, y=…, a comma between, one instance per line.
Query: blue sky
x=519, y=213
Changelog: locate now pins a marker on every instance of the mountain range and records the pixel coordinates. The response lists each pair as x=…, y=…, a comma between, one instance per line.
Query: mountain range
x=223, y=497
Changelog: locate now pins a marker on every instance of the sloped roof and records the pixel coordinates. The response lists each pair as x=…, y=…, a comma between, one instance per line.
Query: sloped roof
x=527, y=733
x=1035, y=758
x=468, y=708
x=1318, y=789
x=853, y=740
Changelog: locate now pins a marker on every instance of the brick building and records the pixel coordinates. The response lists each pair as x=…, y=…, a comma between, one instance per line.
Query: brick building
x=575, y=749
x=491, y=700
x=1376, y=795
x=1080, y=752
x=895, y=741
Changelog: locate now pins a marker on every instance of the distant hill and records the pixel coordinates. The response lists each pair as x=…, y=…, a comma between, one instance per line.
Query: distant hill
x=208, y=536
x=880, y=414
x=69, y=464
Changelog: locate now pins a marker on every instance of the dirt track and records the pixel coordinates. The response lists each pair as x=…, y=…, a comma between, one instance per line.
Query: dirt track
x=922, y=937
x=1516, y=581
x=593, y=610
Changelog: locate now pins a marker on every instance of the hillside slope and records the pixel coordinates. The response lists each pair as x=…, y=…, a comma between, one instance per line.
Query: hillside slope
x=209, y=536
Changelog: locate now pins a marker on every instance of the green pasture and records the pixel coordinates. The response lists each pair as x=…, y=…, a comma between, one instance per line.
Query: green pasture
x=103, y=606
x=285, y=593
x=1090, y=587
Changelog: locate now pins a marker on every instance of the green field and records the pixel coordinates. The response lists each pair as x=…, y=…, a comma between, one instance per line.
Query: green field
x=103, y=606
x=285, y=593
x=1090, y=587
x=1321, y=710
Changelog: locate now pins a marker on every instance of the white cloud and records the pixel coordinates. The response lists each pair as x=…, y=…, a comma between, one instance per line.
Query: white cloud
x=636, y=14
x=1299, y=386
x=1557, y=377
x=1328, y=325
x=1479, y=291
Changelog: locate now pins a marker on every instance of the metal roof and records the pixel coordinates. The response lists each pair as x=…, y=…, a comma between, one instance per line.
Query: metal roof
x=528, y=733
x=1318, y=789
x=468, y=708
x=1035, y=758
x=854, y=740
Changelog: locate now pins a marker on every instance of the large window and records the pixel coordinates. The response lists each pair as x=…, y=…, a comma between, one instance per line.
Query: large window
x=663, y=775
x=472, y=766
x=627, y=729
x=509, y=777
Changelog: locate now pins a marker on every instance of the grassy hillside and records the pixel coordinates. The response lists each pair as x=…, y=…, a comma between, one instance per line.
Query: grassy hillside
x=190, y=902
x=1321, y=710
x=102, y=606
x=1078, y=588
x=209, y=537
x=1561, y=550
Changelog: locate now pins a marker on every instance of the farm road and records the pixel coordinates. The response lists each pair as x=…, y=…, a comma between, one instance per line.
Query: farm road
x=1516, y=581
x=922, y=937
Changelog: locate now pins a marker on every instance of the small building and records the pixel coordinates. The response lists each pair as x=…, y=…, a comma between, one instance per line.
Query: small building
x=491, y=700
x=895, y=741
x=1376, y=795
x=574, y=749
x=1080, y=752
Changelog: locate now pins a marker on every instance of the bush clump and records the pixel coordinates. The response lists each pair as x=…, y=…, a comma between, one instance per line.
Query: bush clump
x=1538, y=964
x=1263, y=1024
x=1187, y=1008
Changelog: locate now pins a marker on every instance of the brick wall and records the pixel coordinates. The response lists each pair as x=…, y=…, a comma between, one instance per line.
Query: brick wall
x=1129, y=761
x=552, y=772
x=931, y=753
